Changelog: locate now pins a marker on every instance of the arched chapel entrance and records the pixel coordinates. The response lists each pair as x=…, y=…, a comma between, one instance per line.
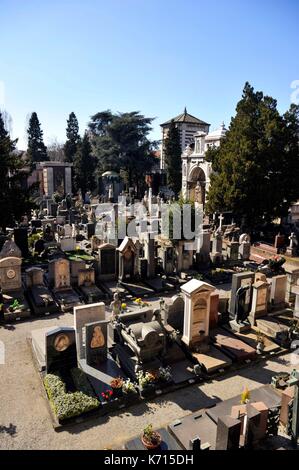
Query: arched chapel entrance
x=197, y=185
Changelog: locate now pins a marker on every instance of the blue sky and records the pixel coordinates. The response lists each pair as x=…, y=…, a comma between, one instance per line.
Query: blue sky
x=156, y=56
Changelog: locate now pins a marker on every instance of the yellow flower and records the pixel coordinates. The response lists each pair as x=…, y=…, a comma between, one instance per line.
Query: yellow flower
x=245, y=395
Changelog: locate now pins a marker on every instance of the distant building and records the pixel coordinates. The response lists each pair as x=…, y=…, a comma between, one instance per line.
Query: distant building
x=196, y=170
x=53, y=177
x=187, y=125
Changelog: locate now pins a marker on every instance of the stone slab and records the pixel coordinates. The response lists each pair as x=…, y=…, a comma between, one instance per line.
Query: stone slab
x=138, y=290
x=231, y=345
x=249, y=337
x=101, y=376
x=168, y=443
x=112, y=287
x=158, y=285
x=267, y=394
x=182, y=372
x=270, y=326
x=213, y=360
x=197, y=424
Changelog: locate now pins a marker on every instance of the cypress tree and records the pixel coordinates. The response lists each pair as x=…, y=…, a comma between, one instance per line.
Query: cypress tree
x=172, y=155
x=37, y=151
x=84, y=166
x=73, y=138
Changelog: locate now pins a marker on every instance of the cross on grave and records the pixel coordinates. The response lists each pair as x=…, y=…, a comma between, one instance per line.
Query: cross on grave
x=221, y=218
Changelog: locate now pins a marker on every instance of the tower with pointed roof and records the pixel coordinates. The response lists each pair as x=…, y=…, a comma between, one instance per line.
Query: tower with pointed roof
x=196, y=170
x=187, y=125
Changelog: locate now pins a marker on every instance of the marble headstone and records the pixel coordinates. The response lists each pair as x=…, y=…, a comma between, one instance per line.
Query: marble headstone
x=82, y=316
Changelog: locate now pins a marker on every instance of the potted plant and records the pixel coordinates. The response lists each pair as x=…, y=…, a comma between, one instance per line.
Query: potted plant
x=260, y=338
x=14, y=306
x=151, y=439
x=165, y=374
x=116, y=385
x=146, y=381
x=129, y=389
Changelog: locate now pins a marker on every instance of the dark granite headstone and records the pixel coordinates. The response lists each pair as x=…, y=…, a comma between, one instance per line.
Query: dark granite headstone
x=37, y=223
x=91, y=228
x=241, y=280
x=228, y=433
x=39, y=246
x=21, y=240
x=107, y=262
x=96, y=342
x=253, y=426
x=61, y=354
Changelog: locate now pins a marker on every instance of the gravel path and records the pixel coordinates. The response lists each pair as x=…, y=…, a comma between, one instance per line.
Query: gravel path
x=24, y=418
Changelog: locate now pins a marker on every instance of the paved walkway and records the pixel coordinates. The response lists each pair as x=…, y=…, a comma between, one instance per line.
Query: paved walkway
x=24, y=418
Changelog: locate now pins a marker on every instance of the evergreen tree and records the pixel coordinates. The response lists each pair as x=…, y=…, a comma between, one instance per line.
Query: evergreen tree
x=256, y=168
x=73, y=138
x=37, y=151
x=84, y=166
x=172, y=155
x=120, y=142
x=15, y=197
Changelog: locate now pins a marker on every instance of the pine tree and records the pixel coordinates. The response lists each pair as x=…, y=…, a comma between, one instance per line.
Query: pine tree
x=256, y=168
x=172, y=154
x=37, y=151
x=73, y=138
x=84, y=166
x=15, y=197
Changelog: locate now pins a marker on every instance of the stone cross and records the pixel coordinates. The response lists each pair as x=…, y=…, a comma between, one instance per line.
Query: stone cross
x=293, y=240
x=221, y=217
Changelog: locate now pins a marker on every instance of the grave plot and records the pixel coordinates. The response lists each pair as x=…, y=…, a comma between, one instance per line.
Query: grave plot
x=69, y=394
x=159, y=285
x=213, y=361
x=251, y=338
x=197, y=425
x=232, y=346
x=60, y=280
x=138, y=289
x=86, y=286
x=113, y=287
x=266, y=394
x=15, y=304
x=273, y=328
x=40, y=298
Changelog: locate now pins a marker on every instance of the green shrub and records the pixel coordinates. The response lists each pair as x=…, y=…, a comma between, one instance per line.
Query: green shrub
x=67, y=404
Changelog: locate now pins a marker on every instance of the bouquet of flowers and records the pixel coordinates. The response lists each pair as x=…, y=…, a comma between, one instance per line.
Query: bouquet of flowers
x=276, y=262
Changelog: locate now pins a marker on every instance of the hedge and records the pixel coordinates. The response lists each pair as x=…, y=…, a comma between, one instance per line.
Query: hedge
x=69, y=404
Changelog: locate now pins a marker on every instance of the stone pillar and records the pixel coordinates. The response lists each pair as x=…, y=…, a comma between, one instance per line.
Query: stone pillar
x=68, y=180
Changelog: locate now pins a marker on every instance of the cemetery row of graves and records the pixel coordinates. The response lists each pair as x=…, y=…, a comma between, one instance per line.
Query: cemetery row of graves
x=150, y=316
